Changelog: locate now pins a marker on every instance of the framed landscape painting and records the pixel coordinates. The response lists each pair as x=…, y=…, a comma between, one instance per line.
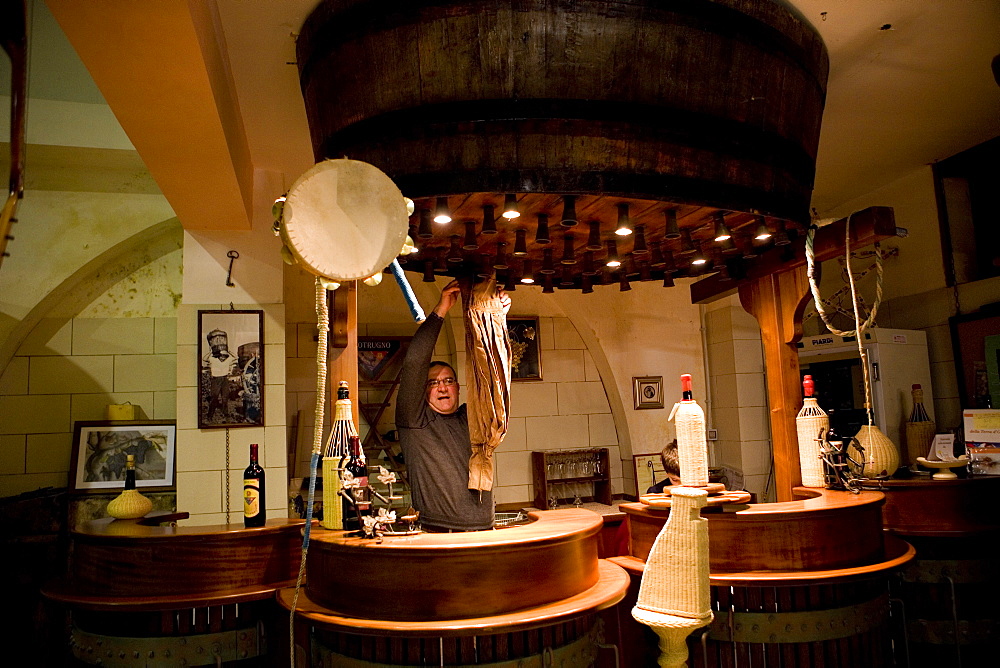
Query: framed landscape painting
x=101, y=449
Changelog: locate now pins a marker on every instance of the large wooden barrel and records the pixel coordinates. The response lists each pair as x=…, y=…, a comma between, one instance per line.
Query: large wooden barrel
x=709, y=102
x=949, y=592
x=796, y=584
x=174, y=595
x=526, y=595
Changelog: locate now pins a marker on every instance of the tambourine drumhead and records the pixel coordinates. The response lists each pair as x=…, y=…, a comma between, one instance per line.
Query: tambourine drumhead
x=344, y=219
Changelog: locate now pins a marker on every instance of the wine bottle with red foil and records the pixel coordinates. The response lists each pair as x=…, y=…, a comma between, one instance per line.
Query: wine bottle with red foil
x=358, y=468
x=692, y=445
x=254, y=504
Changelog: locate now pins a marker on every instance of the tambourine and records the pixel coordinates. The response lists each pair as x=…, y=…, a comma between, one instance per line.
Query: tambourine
x=344, y=220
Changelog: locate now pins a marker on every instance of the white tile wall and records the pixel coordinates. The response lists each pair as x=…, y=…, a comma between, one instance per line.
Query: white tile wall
x=15, y=378
x=70, y=370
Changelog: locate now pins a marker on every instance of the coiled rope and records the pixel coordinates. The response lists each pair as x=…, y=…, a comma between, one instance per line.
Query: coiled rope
x=859, y=327
x=323, y=325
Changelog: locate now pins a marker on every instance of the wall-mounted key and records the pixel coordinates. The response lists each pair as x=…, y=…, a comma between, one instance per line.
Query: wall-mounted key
x=232, y=255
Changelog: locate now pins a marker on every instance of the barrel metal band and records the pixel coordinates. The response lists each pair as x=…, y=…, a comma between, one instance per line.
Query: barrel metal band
x=189, y=650
x=942, y=631
x=961, y=571
x=796, y=627
x=580, y=652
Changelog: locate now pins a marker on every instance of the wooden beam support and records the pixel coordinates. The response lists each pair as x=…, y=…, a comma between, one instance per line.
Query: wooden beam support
x=775, y=291
x=867, y=226
x=343, y=345
x=777, y=302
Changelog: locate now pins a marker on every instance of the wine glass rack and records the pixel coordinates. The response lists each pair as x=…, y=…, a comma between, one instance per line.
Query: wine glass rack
x=560, y=476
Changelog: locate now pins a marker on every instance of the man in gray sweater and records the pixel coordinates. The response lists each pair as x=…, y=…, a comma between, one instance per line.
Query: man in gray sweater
x=434, y=432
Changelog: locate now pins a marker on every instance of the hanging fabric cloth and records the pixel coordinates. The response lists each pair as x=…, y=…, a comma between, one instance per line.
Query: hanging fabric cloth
x=487, y=371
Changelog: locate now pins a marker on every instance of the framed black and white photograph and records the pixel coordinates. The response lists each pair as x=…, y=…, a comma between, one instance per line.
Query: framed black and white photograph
x=101, y=449
x=647, y=391
x=526, y=360
x=230, y=369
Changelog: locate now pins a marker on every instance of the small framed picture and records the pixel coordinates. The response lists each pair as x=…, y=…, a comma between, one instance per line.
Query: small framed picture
x=101, y=449
x=230, y=369
x=526, y=362
x=647, y=391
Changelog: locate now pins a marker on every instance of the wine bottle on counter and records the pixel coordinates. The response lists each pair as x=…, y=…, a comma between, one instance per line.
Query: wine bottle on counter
x=338, y=448
x=254, y=504
x=920, y=429
x=357, y=467
x=810, y=424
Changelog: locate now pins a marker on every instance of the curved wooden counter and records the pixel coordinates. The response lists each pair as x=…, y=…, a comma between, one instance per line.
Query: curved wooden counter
x=117, y=560
x=941, y=508
x=822, y=530
x=798, y=583
x=447, y=576
x=176, y=595
x=607, y=591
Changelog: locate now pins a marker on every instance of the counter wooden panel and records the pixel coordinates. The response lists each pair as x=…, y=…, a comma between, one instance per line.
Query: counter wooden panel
x=456, y=575
x=823, y=529
x=122, y=558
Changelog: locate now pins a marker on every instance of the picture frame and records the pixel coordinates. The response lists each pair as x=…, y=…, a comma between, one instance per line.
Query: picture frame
x=101, y=447
x=647, y=392
x=230, y=369
x=526, y=363
x=648, y=471
x=977, y=354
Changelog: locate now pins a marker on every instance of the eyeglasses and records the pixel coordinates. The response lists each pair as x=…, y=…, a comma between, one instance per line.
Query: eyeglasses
x=447, y=382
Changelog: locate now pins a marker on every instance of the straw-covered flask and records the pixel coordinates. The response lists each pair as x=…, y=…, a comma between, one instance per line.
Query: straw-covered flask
x=920, y=429
x=692, y=446
x=811, y=423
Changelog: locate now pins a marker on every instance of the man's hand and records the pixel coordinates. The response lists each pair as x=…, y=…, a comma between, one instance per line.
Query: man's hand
x=504, y=301
x=449, y=295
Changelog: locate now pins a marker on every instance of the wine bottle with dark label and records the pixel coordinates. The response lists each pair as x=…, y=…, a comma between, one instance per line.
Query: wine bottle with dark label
x=254, y=504
x=130, y=472
x=357, y=467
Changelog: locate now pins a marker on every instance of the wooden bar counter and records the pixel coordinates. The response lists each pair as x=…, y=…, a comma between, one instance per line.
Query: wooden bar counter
x=950, y=590
x=796, y=583
x=175, y=595
x=509, y=594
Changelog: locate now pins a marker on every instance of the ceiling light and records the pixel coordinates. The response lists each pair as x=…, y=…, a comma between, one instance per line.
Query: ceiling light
x=424, y=231
x=763, y=233
x=442, y=214
x=547, y=267
x=542, y=229
x=612, y=258
x=624, y=222
x=569, y=211
x=510, y=207
x=526, y=275
x=470, y=236
x=520, y=245
x=500, y=261
x=672, y=231
x=639, y=245
x=489, y=220
x=569, y=254
x=594, y=239
x=721, y=229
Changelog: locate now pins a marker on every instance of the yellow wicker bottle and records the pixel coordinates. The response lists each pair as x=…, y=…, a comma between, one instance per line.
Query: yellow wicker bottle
x=337, y=450
x=130, y=504
x=920, y=429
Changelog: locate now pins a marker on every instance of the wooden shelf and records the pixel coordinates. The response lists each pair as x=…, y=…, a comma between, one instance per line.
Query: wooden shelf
x=544, y=479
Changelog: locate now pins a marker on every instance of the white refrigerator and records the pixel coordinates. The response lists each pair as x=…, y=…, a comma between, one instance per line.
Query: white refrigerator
x=897, y=360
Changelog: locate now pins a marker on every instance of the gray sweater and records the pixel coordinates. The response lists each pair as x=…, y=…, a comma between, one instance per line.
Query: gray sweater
x=436, y=447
